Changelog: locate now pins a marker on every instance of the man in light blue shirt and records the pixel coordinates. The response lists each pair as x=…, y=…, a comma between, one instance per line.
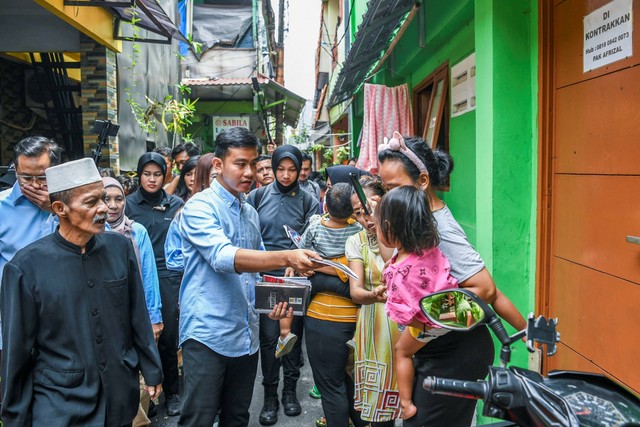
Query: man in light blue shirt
x=25, y=208
x=223, y=253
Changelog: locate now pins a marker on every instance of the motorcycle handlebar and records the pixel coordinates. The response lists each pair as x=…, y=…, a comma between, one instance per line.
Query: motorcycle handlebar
x=466, y=389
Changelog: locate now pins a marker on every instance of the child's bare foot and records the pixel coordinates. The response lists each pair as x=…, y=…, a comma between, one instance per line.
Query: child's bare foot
x=285, y=344
x=408, y=410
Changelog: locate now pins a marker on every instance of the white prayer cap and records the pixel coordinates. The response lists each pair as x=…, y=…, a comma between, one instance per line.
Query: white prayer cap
x=71, y=175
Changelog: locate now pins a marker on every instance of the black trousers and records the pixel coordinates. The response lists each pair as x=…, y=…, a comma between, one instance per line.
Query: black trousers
x=168, y=342
x=269, y=333
x=212, y=382
x=328, y=352
x=458, y=355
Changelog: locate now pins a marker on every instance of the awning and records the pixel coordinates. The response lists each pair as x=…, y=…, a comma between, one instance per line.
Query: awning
x=241, y=89
x=149, y=14
x=379, y=25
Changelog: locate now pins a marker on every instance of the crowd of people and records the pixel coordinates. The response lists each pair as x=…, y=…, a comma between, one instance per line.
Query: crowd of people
x=96, y=324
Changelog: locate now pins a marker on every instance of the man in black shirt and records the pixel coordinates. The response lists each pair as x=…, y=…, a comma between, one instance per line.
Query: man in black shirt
x=152, y=207
x=75, y=324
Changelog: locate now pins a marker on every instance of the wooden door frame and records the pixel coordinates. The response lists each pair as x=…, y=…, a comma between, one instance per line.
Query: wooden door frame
x=546, y=96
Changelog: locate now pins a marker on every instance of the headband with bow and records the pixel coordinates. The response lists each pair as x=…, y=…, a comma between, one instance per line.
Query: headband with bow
x=396, y=143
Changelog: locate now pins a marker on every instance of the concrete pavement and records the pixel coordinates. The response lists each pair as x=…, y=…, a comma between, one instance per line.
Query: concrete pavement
x=311, y=408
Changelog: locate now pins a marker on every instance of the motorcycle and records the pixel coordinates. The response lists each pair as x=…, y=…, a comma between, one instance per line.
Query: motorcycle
x=521, y=396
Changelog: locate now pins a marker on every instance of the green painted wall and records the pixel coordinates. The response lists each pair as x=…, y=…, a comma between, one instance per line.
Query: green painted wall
x=506, y=148
x=493, y=187
x=449, y=36
x=506, y=39
x=494, y=147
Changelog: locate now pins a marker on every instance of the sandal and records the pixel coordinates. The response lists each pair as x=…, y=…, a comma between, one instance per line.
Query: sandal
x=313, y=392
x=285, y=346
x=322, y=422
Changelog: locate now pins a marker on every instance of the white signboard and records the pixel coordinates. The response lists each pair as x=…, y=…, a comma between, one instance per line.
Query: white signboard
x=608, y=34
x=222, y=123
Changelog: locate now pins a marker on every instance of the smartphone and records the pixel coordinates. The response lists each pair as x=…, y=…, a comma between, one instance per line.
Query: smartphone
x=359, y=192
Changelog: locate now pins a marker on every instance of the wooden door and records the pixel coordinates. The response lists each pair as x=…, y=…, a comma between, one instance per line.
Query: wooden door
x=588, y=273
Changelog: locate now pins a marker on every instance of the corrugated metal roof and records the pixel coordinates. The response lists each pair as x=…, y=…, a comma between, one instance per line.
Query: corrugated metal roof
x=240, y=89
x=379, y=24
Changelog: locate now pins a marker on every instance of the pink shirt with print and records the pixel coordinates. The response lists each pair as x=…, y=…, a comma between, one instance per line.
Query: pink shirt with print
x=413, y=278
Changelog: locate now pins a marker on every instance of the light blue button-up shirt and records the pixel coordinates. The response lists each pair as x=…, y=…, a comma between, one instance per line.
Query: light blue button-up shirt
x=21, y=223
x=148, y=272
x=217, y=304
x=173, y=246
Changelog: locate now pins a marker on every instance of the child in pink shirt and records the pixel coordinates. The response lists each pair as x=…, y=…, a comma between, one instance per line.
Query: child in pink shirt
x=404, y=221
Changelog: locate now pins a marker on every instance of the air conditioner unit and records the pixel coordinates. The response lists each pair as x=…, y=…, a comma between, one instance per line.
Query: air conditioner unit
x=36, y=97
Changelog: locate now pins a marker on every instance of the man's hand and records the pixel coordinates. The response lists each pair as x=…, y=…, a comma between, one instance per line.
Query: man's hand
x=38, y=196
x=280, y=311
x=300, y=260
x=157, y=330
x=154, y=391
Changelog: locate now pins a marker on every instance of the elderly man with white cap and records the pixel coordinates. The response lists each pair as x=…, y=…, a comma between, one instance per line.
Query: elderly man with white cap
x=75, y=327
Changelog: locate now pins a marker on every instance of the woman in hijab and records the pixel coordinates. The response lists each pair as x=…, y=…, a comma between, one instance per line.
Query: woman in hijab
x=152, y=207
x=281, y=203
x=119, y=223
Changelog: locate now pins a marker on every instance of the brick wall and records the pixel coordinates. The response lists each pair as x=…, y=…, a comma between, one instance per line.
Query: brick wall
x=99, y=99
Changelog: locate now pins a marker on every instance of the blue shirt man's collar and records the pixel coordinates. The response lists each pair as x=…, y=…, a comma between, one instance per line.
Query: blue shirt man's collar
x=226, y=195
x=16, y=193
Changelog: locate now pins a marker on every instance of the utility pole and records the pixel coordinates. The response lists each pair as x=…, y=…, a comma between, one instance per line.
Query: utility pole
x=280, y=73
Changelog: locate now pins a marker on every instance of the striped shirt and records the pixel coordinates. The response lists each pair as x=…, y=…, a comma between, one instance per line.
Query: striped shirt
x=328, y=242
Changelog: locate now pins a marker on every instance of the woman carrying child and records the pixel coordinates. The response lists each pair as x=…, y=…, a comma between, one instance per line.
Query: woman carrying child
x=376, y=387
x=460, y=355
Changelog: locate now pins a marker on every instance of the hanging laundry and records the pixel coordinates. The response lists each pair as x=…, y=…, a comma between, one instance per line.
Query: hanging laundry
x=386, y=109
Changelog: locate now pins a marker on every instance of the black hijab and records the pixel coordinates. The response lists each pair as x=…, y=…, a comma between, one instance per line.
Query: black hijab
x=159, y=160
x=286, y=152
x=341, y=173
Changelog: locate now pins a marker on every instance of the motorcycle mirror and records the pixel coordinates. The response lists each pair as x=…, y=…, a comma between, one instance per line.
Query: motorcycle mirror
x=454, y=309
x=462, y=310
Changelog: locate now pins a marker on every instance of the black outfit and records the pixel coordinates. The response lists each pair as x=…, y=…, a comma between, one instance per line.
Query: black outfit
x=328, y=352
x=202, y=362
x=155, y=212
x=278, y=205
x=458, y=355
x=76, y=334
x=275, y=209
